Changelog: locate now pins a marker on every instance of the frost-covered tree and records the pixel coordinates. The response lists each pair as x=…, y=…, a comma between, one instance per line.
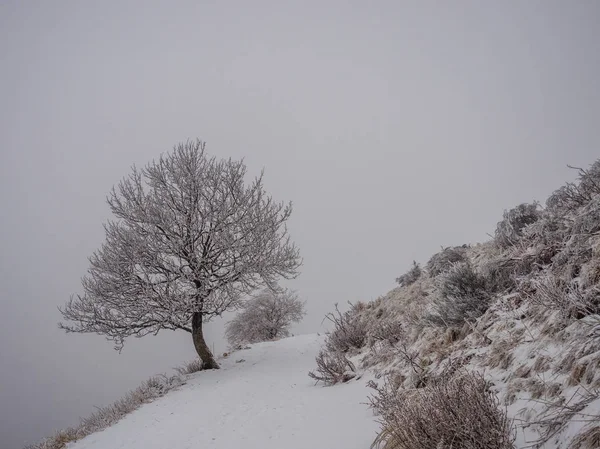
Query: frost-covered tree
x=189, y=241
x=265, y=317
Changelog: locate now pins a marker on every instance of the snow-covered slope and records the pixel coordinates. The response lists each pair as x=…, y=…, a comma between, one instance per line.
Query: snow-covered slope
x=261, y=398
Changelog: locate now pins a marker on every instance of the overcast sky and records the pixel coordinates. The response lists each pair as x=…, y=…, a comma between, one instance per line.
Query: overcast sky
x=394, y=127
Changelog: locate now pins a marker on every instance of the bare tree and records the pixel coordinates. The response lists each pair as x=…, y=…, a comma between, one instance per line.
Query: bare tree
x=190, y=239
x=265, y=317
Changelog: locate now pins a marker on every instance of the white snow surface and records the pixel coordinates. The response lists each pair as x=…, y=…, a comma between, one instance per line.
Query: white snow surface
x=266, y=401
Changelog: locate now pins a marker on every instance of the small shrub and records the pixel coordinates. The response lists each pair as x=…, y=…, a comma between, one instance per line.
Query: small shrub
x=266, y=316
x=457, y=411
x=411, y=276
x=587, y=220
x=510, y=229
x=333, y=368
x=573, y=195
x=390, y=331
x=548, y=230
x=349, y=331
x=462, y=297
x=500, y=274
x=443, y=261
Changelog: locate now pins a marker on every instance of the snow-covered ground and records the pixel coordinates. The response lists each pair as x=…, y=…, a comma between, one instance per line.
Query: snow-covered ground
x=261, y=398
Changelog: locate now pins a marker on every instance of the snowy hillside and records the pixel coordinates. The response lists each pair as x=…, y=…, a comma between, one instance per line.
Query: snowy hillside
x=261, y=398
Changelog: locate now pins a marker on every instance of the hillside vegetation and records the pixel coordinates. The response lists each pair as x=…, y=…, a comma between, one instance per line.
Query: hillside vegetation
x=492, y=345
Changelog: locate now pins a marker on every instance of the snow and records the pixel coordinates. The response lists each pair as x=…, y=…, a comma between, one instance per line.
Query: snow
x=261, y=398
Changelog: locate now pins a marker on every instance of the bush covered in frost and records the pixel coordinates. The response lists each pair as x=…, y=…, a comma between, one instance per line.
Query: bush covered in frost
x=462, y=296
x=455, y=411
x=411, y=276
x=510, y=229
x=349, y=332
x=332, y=368
x=265, y=317
x=443, y=261
x=576, y=194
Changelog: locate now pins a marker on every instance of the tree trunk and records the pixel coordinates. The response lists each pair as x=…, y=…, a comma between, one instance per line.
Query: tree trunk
x=208, y=360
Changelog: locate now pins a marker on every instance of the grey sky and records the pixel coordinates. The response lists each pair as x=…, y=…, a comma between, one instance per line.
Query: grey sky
x=394, y=128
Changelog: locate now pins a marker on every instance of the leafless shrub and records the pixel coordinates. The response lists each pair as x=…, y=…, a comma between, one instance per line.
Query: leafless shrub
x=548, y=231
x=265, y=317
x=333, y=368
x=445, y=259
x=510, y=229
x=419, y=375
x=189, y=368
x=411, y=276
x=576, y=194
x=500, y=274
x=462, y=297
x=454, y=411
x=390, y=331
x=587, y=220
x=349, y=330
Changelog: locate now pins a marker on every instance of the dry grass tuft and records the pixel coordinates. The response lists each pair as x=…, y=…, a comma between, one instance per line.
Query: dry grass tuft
x=588, y=439
x=522, y=372
x=541, y=364
x=452, y=411
x=576, y=374
x=500, y=354
x=190, y=367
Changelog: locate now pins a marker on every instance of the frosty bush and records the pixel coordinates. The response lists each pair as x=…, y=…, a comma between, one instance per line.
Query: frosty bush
x=510, y=229
x=500, y=273
x=580, y=242
x=349, y=331
x=457, y=411
x=587, y=220
x=576, y=194
x=462, y=296
x=442, y=261
x=265, y=317
x=411, y=276
x=333, y=368
x=391, y=331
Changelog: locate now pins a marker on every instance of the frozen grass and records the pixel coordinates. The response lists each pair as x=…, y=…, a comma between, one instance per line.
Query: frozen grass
x=104, y=417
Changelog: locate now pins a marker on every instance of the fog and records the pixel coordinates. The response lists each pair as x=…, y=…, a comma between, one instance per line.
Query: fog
x=394, y=128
